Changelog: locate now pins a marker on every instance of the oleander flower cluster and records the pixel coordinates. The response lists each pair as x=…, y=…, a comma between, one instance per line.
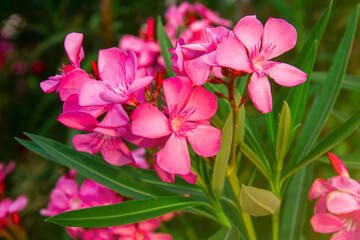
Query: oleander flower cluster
x=9, y=209
x=69, y=195
x=125, y=101
x=337, y=209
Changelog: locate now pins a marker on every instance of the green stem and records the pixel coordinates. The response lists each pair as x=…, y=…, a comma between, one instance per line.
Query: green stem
x=275, y=225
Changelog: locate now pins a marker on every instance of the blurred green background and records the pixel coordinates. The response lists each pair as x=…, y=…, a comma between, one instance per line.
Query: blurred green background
x=31, y=49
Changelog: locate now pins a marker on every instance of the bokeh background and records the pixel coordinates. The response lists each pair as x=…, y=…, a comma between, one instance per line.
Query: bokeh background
x=31, y=49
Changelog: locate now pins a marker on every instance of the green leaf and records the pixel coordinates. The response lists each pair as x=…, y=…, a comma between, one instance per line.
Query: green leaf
x=165, y=45
x=294, y=211
x=323, y=105
x=36, y=149
x=101, y=172
x=222, y=158
x=123, y=213
x=330, y=141
x=315, y=35
x=284, y=133
x=270, y=126
x=351, y=82
x=226, y=234
x=251, y=155
x=258, y=202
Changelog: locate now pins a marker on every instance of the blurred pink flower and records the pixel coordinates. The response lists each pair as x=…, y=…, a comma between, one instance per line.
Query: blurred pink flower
x=9, y=210
x=250, y=51
x=337, y=209
x=189, y=111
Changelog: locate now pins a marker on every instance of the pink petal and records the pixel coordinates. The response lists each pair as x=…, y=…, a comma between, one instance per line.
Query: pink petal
x=149, y=122
x=149, y=225
x=326, y=223
x=73, y=48
x=319, y=187
x=19, y=204
x=159, y=236
x=139, y=141
x=110, y=54
x=72, y=104
x=90, y=143
x=231, y=53
x=279, y=35
x=340, y=203
x=68, y=185
x=260, y=92
x=115, y=117
x=346, y=184
x=116, y=152
x=210, y=59
x=338, y=165
x=320, y=205
x=195, y=47
x=90, y=93
x=50, y=85
x=59, y=199
x=204, y=103
x=124, y=230
x=78, y=120
x=72, y=83
x=140, y=83
x=345, y=235
x=249, y=31
x=190, y=178
x=197, y=70
x=111, y=97
x=285, y=74
x=205, y=140
x=176, y=90
x=174, y=157
x=111, y=131
x=164, y=176
x=130, y=66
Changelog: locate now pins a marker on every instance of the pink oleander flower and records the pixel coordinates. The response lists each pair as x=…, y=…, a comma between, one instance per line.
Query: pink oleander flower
x=75, y=52
x=9, y=211
x=337, y=209
x=141, y=231
x=197, y=60
x=211, y=16
x=146, y=48
x=119, y=78
x=250, y=51
x=188, y=113
x=68, y=195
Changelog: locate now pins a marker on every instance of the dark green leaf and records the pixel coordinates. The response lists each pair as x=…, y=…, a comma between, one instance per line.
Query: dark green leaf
x=165, y=45
x=123, y=213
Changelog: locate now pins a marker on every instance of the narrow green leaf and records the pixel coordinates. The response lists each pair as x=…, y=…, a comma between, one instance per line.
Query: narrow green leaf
x=258, y=202
x=251, y=155
x=351, y=82
x=123, y=213
x=283, y=133
x=36, y=149
x=222, y=158
x=330, y=141
x=270, y=126
x=226, y=234
x=165, y=45
x=322, y=107
x=315, y=35
x=100, y=172
x=294, y=211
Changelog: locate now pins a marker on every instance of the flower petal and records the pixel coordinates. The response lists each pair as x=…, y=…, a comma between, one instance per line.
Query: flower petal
x=90, y=143
x=249, y=31
x=285, y=74
x=116, y=152
x=338, y=165
x=72, y=104
x=340, y=203
x=231, y=53
x=205, y=140
x=319, y=187
x=346, y=184
x=260, y=92
x=110, y=54
x=174, y=157
x=164, y=176
x=140, y=83
x=326, y=223
x=149, y=122
x=115, y=117
x=177, y=91
x=204, y=103
x=90, y=93
x=51, y=85
x=197, y=70
x=72, y=83
x=78, y=120
x=190, y=178
x=19, y=204
x=73, y=48
x=280, y=35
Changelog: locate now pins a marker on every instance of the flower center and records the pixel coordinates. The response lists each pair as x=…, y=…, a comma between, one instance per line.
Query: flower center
x=350, y=224
x=176, y=124
x=139, y=236
x=180, y=124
